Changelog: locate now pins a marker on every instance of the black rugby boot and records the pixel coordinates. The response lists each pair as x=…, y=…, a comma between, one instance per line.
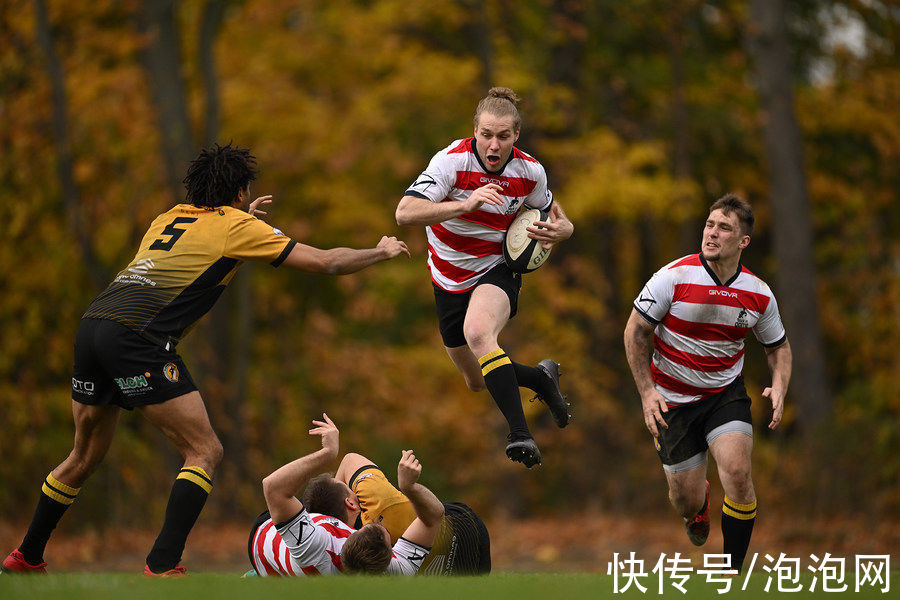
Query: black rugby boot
x=523, y=449
x=550, y=393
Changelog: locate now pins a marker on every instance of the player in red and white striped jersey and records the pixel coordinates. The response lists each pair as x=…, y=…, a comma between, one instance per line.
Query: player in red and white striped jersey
x=467, y=198
x=288, y=540
x=698, y=309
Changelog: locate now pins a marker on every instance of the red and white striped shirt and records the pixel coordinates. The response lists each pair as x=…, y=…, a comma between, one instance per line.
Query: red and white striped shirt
x=311, y=544
x=701, y=324
x=462, y=249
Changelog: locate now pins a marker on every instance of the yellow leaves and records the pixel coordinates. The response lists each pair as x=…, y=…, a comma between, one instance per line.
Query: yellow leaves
x=606, y=177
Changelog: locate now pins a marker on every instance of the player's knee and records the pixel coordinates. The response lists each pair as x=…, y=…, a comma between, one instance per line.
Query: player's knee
x=478, y=338
x=685, y=503
x=215, y=452
x=736, y=473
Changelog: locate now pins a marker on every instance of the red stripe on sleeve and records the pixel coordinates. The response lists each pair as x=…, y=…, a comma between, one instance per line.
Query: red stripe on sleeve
x=448, y=270
x=462, y=243
x=705, y=331
x=695, y=361
x=680, y=387
x=260, y=550
x=722, y=296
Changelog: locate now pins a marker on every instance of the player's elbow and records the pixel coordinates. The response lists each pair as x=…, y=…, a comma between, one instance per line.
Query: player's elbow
x=402, y=216
x=270, y=488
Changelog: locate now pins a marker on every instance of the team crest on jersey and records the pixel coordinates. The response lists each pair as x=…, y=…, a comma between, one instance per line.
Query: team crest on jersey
x=513, y=206
x=656, y=443
x=171, y=372
x=742, y=319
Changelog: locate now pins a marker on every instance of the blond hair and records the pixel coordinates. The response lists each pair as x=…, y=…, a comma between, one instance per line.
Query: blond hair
x=501, y=102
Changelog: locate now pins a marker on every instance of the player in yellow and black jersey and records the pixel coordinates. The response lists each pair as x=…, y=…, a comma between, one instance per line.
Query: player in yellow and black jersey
x=125, y=353
x=462, y=545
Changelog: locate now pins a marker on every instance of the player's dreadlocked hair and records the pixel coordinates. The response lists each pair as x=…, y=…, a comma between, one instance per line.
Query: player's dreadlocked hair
x=216, y=176
x=500, y=101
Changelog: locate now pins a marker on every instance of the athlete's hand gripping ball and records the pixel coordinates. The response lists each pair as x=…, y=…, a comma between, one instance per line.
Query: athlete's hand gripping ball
x=329, y=433
x=408, y=470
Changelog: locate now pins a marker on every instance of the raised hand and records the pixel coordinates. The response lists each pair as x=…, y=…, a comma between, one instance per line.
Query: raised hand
x=261, y=201
x=408, y=471
x=329, y=432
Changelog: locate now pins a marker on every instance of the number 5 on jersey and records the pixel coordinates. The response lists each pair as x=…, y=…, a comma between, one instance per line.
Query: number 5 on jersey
x=173, y=232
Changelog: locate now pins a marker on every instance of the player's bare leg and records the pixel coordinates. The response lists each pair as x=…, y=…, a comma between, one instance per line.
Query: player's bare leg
x=468, y=365
x=486, y=316
x=732, y=453
x=184, y=420
x=94, y=430
x=689, y=494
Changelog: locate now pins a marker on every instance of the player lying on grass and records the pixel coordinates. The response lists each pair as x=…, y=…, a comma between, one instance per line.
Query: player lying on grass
x=125, y=348
x=462, y=545
x=289, y=540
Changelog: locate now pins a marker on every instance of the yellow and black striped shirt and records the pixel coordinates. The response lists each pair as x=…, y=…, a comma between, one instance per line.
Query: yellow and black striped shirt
x=184, y=262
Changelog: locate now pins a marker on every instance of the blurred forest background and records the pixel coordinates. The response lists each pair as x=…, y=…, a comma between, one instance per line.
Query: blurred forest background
x=643, y=112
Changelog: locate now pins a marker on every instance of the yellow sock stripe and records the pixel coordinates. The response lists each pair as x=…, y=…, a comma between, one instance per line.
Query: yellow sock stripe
x=199, y=471
x=744, y=512
x=202, y=483
x=59, y=485
x=497, y=363
x=490, y=355
x=53, y=494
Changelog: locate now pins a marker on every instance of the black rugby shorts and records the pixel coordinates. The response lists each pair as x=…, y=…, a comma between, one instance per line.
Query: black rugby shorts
x=684, y=444
x=117, y=366
x=451, y=308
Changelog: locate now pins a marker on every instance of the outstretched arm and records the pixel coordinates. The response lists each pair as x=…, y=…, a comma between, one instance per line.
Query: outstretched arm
x=341, y=261
x=282, y=487
x=429, y=510
x=637, y=350
x=780, y=362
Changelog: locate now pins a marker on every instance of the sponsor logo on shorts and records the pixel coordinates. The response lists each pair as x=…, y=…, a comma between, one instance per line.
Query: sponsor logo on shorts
x=132, y=385
x=171, y=372
x=656, y=443
x=84, y=387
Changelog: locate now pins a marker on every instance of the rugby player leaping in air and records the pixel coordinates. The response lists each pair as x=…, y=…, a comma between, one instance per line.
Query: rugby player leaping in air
x=467, y=198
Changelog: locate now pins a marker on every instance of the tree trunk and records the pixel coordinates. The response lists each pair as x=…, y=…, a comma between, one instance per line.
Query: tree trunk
x=162, y=58
x=791, y=220
x=68, y=187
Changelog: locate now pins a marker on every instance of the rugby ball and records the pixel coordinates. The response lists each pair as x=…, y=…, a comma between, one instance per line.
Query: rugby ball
x=522, y=253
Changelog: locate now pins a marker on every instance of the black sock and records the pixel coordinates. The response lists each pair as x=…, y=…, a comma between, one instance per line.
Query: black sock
x=55, y=498
x=500, y=379
x=737, y=526
x=530, y=377
x=188, y=496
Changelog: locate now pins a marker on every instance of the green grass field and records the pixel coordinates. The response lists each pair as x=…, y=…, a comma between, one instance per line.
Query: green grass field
x=99, y=586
